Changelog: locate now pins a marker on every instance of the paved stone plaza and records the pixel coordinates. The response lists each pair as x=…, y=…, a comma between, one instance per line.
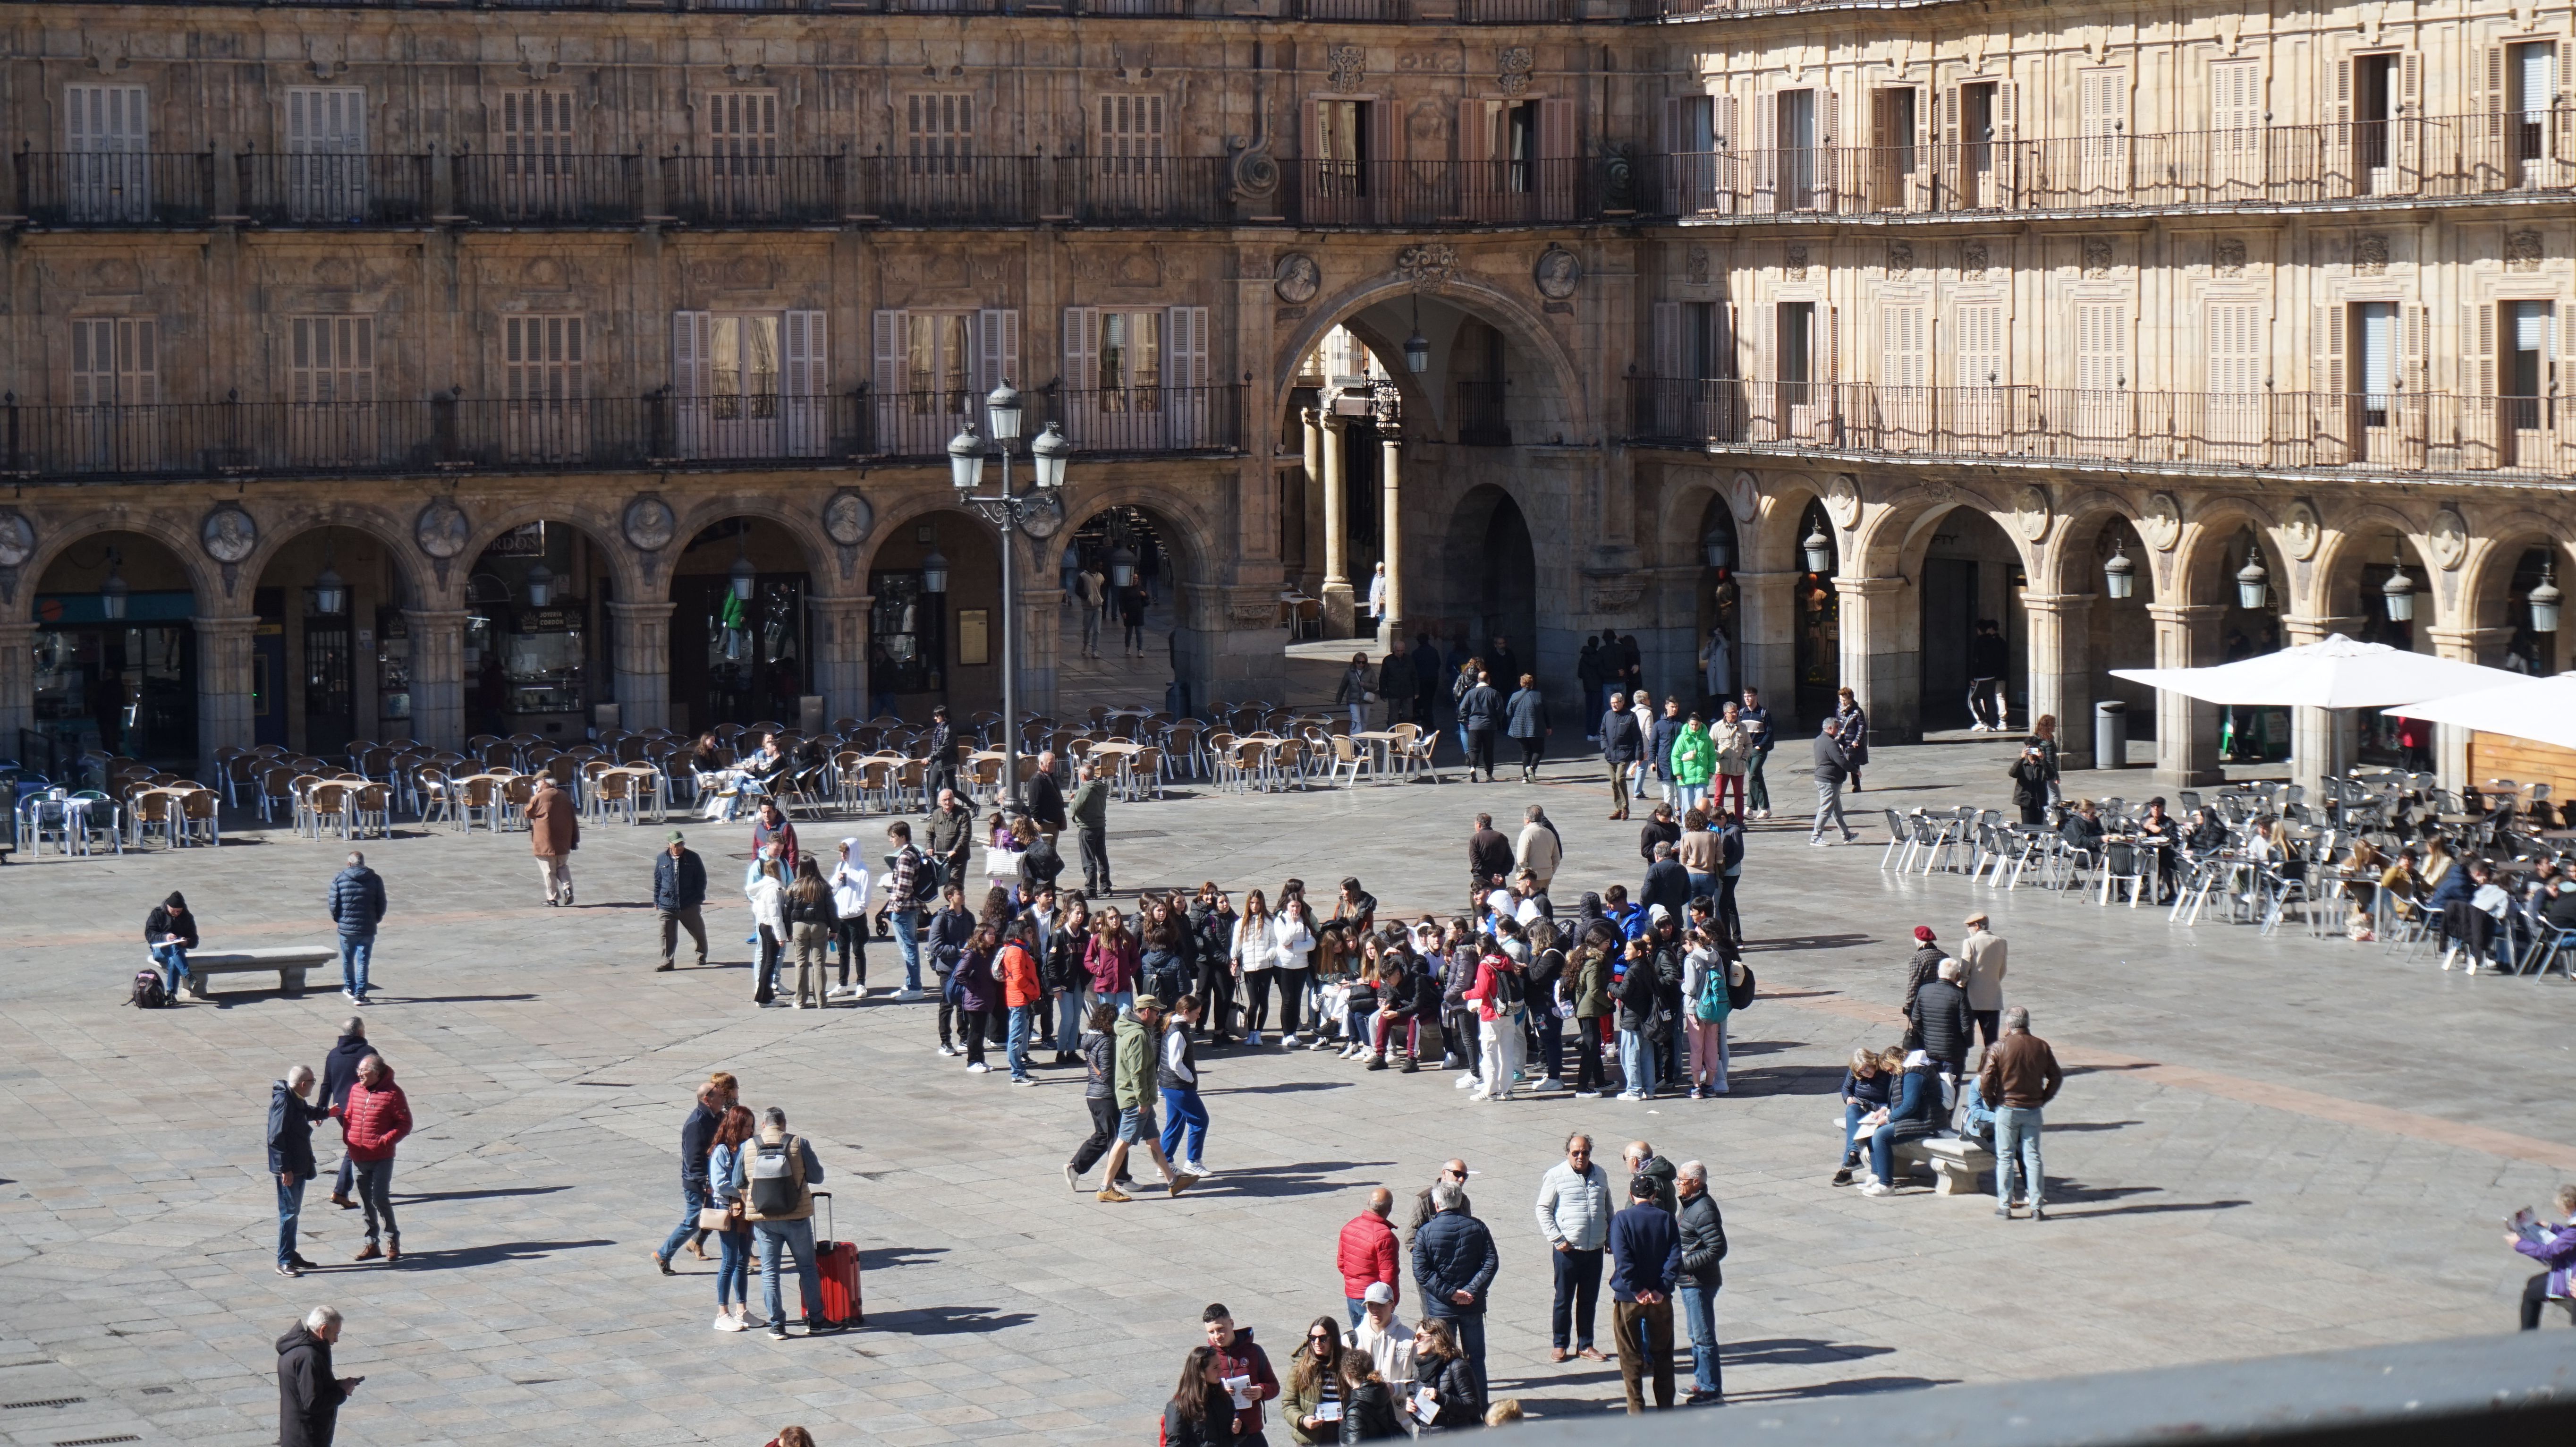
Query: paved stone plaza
x=2265, y=1146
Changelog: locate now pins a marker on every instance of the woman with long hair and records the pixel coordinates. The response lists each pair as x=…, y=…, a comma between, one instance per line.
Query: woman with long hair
x=1314, y=1385
x=978, y=993
x=1165, y=959
x=1062, y=973
x=1099, y=1092
x=1292, y=950
x=1252, y=961
x=1111, y=960
x=1439, y=1367
x=733, y=1243
x=810, y=922
x=1201, y=1411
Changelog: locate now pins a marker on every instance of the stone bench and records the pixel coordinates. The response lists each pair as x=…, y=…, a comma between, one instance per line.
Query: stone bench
x=1959, y=1165
x=288, y=961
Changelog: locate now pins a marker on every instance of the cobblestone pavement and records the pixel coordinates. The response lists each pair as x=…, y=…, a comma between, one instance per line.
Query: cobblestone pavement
x=2266, y=1146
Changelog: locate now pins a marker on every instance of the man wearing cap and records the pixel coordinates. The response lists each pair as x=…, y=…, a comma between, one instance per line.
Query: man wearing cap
x=1135, y=1076
x=1928, y=955
x=1983, y=955
x=679, y=891
x=1383, y=1335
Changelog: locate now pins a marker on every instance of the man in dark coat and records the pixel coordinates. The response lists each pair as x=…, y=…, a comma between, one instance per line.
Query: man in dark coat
x=1645, y=1259
x=1942, y=1021
x=339, y=1072
x=1703, y=1233
x=1667, y=884
x=308, y=1396
x=1395, y=683
x=1480, y=714
x=1489, y=857
x=1046, y=798
x=1926, y=961
x=1454, y=1263
x=679, y=892
x=357, y=906
x=290, y=1158
x=1621, y=743
x=1427, y=676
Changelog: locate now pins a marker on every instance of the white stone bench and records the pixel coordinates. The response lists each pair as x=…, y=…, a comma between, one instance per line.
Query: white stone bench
x=1959, y=1165
x=289, y=961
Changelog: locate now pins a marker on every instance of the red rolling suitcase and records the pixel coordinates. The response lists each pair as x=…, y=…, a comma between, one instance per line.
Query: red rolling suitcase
x=837, y=1263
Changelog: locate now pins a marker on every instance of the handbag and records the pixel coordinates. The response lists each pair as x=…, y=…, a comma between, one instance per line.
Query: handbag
x=715, y=1218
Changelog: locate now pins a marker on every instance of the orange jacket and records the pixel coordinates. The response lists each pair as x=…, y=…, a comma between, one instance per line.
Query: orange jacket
x=1019, y=977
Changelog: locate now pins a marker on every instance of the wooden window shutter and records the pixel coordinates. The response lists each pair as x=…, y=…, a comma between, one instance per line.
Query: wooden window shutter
x=2006, y=109
x=1082, y=347
x=1766, y=151
x=2417, y=321
x=805, y=383
x=1190, y=407
x=1833, y=320
x=1665, y=340
x=997, y=347
x=1722, y=127
x=2486, y=351
x=689, y=383
x=2494, y=106
x=2335, y=348
x=887, y=350
x=1950, y=115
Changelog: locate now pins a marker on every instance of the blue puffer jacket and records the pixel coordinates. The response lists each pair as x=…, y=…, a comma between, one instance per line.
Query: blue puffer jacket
x=357, y=901
x=1453, y=1252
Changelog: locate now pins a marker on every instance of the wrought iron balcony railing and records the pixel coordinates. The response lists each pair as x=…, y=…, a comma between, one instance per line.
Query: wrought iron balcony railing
x=43, y=442
x=2396, y=432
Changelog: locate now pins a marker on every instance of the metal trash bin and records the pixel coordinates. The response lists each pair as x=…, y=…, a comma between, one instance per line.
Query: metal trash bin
x=2111, y=735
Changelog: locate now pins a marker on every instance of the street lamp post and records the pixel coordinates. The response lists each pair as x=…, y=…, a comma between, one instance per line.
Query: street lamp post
x=1038, y=512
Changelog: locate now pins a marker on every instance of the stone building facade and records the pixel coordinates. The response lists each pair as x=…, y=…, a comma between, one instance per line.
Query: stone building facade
x=1975, y=298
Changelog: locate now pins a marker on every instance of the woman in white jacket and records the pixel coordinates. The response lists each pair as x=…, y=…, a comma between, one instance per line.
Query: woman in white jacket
x=850, y=887
x=767, y=892
x=1292, y=957
x=1252, y=959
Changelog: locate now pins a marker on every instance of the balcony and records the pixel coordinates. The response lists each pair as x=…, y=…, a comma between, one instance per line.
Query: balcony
x=1416, y=195
x=2400, y=163
x=353, y=189
x=112, y=188
x=444, y=435
x=2400, y=434
x=548, y=190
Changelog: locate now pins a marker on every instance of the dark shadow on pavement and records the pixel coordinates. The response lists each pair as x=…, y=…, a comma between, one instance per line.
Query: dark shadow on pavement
x=2149, y=1209
x=478, y=1195
x=1795, y=1351
x=1735, y=1048
x=1307, y=1178
x=391, y=997
x=2064, y=1193
x=882, y=1258
x=1285, y=1087
x=947, y=1320
x=2053, y=1126
x=1807, y=942
x=1786, y=1080
x=1852, y=1387
x=2074, y=1070
x=497, y=1252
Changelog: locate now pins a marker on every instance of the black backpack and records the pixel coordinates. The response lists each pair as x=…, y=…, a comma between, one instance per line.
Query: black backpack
x=1511, y=990
x=149, y=992
x=776, y=1175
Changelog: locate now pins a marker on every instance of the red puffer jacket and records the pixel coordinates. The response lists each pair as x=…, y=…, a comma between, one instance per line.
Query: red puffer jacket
x=376, y=1118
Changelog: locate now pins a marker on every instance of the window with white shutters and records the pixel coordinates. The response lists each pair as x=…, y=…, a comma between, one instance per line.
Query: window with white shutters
x=751, y=384
x=107, y=130
x=1795, y=163
x=2374, y=325
x=326, y=153
x=2531, y=87
x=1130, y=361
x=1130, y=142
x=115, y=388
x=1188, y=399
x=2101, y=368
x=2235, y=125
x=742, y=152
x=2232, y=371
x=536, y=145
x=1979, y=345
x=932, y=374
x=331, y=388
x=1901, y=355
x=2102, y=105
x=544, y=387
x=1793, y=351
x=2530, y=337
x=939, y=133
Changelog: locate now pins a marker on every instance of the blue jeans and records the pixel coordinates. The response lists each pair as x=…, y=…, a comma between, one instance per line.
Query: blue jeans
x=290, y=1206
x=907, y=937
x=355, y=951
x=1359, y=1309
x=1852, y=1112
x=375, y=1182
x=1019, y=1047
x=733, y=1268
x=798, y=1235
x=1470, y=1332
x=173, y=958
x=1637, y=1063
x=1699, y=1318
x=1068, y=1021
x=693, y=1198
x=1183, y=1114
x=2017, y=1145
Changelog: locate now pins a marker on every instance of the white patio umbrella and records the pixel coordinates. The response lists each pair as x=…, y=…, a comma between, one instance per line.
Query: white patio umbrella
x=2543, y=709
x=2334, y=673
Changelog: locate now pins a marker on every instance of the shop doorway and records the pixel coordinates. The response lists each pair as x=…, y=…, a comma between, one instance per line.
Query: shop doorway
x=115, y=657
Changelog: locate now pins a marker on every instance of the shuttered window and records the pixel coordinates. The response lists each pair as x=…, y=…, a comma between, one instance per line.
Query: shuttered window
x=1980, y=345
x=1130, y=142
x=2101, y=346
x=2235, y=356
x=1901, y=345
x=115, y=362
x=544, y=385
x=2375, y=328
x=939, y=132
x=331, y=359
x=108, y=133
x=326, y=145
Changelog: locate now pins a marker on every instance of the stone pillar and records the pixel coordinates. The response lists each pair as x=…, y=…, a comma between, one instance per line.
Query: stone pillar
x=2186, y=728
x=2061, y=673
x=1041, y=630
x=1882, y=664
x=2323, y=741
x=438, y=674
x=18, y=683
x=224, y=675
x=1766, y=652
x=1391, y=484
x=840, y=653
x=1339, y=609
x=2451, y=741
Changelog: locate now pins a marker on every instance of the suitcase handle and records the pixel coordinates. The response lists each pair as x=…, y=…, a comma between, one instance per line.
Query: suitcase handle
x=826, y=1198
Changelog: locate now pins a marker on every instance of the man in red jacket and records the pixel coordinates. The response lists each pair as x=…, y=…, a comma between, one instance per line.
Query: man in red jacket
x=1243, y=1367
x=1367, y=1253
x=373, y=1121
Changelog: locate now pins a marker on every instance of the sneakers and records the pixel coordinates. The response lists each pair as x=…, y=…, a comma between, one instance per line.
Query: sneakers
x=1023, y=1080
x=1376, y=1062
x=725, y=1322
x=665, y=965
x=979, y=1068
x=1072, y=1177
x=1463, y=1082
x=906, y=997
x=289, y=1268
x=1111, y=1195
x=1876, y=1188
x=1587, y=1095
x=778, y=1331
x=1194, y=1168
x=1252, y=1038
x=2038, y=1213
x=1183, y=1182
x=1842, y=1176
x=1410, y=1066
x=945, y=1049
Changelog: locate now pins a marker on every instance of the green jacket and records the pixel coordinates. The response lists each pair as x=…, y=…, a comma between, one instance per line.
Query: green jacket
x=1090, y=807
x=1132, y=1078
x=1592, y=985
x=1694, y=757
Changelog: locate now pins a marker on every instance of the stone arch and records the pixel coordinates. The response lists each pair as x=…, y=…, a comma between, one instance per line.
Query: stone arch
x=1523, y=329
x=2355, y=538
x=57, y=534
x=2496, y=547
x=804, y=528
x=2192, y=565
x=412, y=572
x=1485, y=598
x=626, y=569
x=1773, y=542
x=2066, y=556
x=1893, y=532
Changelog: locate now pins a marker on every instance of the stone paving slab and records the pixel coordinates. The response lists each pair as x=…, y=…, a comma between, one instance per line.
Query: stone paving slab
x=2265, y=1146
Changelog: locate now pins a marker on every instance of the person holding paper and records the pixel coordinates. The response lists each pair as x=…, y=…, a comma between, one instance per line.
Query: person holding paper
x=1314, y=1400
x=1444, y=1392
x=1246, y=1371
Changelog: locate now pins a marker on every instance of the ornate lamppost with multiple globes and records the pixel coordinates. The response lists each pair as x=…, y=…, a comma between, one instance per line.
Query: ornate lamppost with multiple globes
x=1038, y=512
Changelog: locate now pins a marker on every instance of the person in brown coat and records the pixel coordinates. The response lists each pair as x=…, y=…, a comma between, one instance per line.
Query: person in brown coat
x=554, y=832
